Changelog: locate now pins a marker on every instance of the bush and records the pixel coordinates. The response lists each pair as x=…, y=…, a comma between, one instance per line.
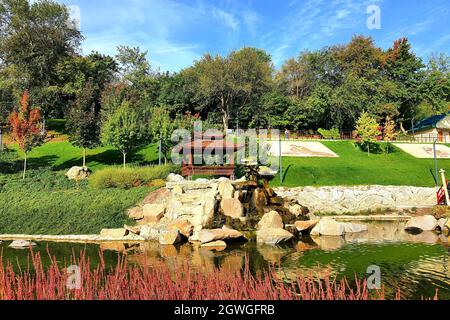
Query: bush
x=126, y=178
x=330, y=134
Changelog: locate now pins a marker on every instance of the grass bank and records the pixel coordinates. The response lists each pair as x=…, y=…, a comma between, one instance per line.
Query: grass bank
x=355, y=167
x=47, y=203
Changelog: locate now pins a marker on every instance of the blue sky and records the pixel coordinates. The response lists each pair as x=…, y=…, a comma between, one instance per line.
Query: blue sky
x=177, y=32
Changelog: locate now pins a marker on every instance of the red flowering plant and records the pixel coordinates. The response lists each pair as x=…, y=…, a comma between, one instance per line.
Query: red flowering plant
x=26, y=127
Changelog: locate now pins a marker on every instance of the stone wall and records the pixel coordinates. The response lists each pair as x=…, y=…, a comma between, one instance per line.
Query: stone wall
x=341, y=200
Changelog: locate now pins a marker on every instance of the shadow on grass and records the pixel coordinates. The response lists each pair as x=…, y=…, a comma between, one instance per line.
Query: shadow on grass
x=16, y=165
x=108, y=157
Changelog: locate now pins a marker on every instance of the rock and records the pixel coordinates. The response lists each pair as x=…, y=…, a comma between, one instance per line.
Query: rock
x=424, y=223
x=232, y=208
x=78, y=173
x=153, y=212
x=306, y=225
x=113, y=233
x=354, y=228
x=442, y=223
x=135, y=229
x=184, y=226
x=169, y=237
x=136, y=213
x=329, y=243
x=273, y=236
x=177, y=189
x=149, y=232
x=224, y=234
x=226, y=189
x=20, y=244
x=174, y=178
x=215, y=244
x=296, y=209
x=328, y=227
x=271, y=220
x=159, y=196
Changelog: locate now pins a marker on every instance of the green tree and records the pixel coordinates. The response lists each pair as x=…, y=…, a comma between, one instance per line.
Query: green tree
x=162, y=127
x=123, y=130
x=34, y=38
x=367, y=129
x=83, y=120
x=226, y=84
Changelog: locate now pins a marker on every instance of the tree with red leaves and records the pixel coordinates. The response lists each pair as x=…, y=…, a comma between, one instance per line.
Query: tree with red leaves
x=26, y=127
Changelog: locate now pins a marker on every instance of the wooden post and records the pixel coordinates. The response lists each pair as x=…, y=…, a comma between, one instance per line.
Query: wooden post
x=444, y=183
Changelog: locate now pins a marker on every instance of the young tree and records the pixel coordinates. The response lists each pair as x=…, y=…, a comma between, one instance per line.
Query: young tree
x=389, y=133
x=367, y=129
x=161, y=128
x=83, y=121
x=123, y=130
x=26, y=128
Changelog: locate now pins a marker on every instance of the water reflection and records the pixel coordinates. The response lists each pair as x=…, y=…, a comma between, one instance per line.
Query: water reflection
x=418, y=264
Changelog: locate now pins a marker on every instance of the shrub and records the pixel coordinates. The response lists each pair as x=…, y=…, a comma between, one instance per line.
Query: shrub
x=330, y=134
x=125, y=178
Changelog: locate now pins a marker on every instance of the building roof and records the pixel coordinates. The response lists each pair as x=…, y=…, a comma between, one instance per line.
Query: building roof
x=430, y=123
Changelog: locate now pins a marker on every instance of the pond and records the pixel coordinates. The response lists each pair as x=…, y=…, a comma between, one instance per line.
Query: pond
x=417, y=264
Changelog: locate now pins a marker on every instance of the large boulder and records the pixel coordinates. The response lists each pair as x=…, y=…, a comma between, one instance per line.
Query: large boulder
x=226, y=189
x=169, y=237
x=273, y=236
x=232, y=208
x=174, y=178
x=114, y=233
x=78, y=173
x=184, y=226
x=303, y=226
x=154, y=212
x=271, y=220
x=328, y=227
x=355, y=228
x=424, y=223
x=136, y=213
x=224, y=234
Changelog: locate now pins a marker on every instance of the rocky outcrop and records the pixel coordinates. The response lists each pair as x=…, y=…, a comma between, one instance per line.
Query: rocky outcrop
x=341, y=200
x=232, y=207
x=169, y=237
x=423, y=223
x=328, y=227
x=78, y=173
x=224, y=234
x=153, y=212
x=303, y=226
x=114, y=233
x=271, y=220
x=273, y=236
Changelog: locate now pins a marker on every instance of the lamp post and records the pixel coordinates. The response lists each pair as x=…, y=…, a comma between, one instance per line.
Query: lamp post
x=435, y=163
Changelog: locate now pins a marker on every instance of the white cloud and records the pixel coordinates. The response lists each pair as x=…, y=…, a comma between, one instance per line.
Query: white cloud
x=227, y=18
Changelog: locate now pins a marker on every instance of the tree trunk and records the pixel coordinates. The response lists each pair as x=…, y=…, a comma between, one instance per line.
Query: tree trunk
x=225, y=117
x=124, y=160
x=84, y=157
x=24, y=166
x=402, y=127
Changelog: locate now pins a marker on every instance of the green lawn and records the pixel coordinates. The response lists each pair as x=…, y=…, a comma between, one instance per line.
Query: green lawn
x=355, y=167
x=62, y=156
x=48, y=203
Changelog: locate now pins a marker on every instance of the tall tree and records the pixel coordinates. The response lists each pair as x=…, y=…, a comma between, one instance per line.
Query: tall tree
x=26, y=128
x=83, y=121
x=123, y=130
x=227, y=83
x=34, y=38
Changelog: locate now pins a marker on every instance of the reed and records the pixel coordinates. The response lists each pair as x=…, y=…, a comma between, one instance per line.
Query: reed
x=161, y=282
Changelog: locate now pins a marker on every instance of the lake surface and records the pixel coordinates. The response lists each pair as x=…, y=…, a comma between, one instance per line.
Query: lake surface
x=418, y=264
